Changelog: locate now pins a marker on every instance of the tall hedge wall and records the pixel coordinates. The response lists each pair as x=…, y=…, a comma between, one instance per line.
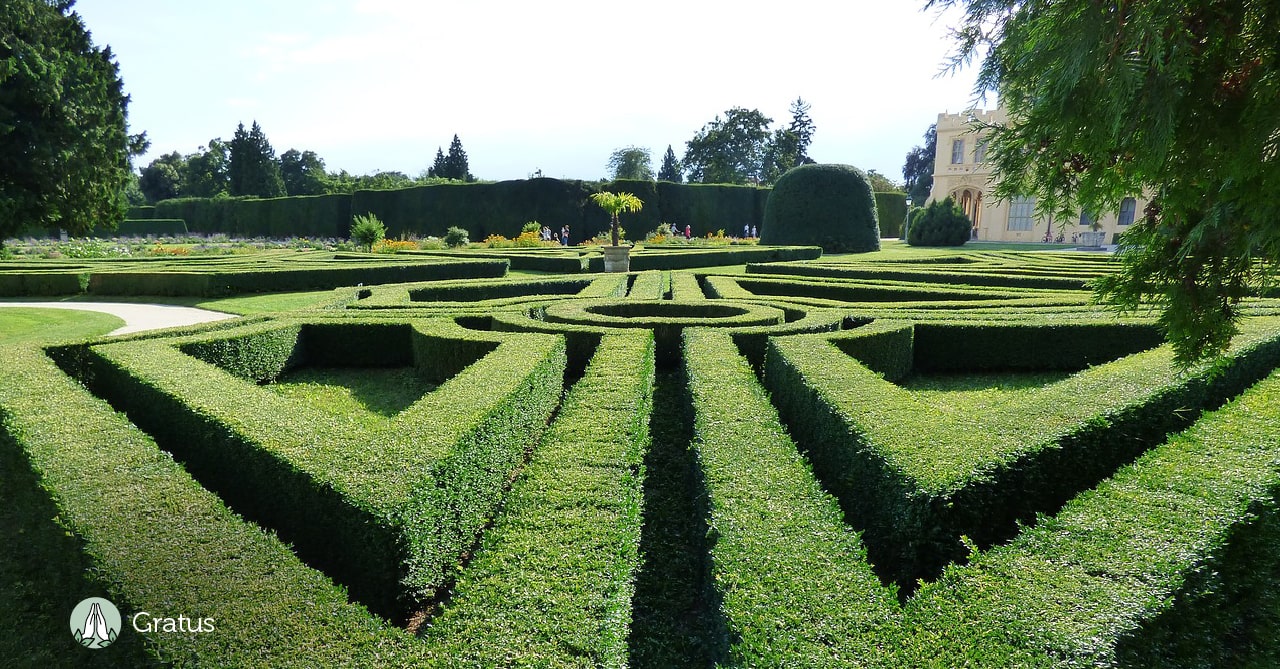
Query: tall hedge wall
x=482, y=209
x=710, y=207
x=892, y=208
x=303, y=216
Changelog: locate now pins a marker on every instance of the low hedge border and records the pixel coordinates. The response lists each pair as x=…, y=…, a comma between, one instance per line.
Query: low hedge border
x=793, y=584
x=882, y=346
x=946, y=278
x=652, y=285
x=161, y=543
x=666, y=318
x=392, y=539
x=685, y=287
x=1171, y=562
x=567, y=542
x=915, y=479
x=655, y=258
x=1038, y=345
x=727, y=287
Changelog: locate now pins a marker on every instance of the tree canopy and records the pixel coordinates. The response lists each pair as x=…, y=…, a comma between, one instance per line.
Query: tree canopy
x=1177, y=101
x=729, y=150
x=741, y=148
x=253, y=169
x=632, y=162
x=303, y=173
x=917, y=171
x=670, y=170
x=64, y=142
x=451, y=166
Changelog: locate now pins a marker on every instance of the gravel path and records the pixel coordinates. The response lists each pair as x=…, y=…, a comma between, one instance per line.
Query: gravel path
x=137, y=317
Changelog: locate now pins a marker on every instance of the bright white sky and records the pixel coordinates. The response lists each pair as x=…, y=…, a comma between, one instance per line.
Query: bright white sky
x=558, y=85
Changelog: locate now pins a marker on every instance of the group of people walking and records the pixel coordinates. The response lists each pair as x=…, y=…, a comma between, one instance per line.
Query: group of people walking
x=561, y=237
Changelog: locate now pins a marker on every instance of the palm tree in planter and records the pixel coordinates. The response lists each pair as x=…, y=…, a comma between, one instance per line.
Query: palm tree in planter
x=617, y=258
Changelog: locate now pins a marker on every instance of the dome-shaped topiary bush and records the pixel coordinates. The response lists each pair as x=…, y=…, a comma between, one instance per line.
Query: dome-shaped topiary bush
x=831, y=206
x=939, y=224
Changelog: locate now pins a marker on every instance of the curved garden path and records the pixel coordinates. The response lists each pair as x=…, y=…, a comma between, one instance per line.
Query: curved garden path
x=137, y=317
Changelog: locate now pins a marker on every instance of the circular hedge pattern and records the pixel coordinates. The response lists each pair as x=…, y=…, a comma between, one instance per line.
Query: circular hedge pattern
x=831, y=206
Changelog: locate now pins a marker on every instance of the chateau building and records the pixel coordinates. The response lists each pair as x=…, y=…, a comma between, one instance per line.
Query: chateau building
x=961, y=171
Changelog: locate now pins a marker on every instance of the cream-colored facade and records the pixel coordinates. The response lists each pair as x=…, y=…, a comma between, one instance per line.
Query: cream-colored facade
x=961, y=171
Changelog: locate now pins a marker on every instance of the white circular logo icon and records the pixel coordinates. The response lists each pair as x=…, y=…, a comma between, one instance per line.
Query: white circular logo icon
x=95, y=623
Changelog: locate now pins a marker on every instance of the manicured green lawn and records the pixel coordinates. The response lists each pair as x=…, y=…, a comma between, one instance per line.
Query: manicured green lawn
x=356, y=392
x=23, y=325
x=245, y=305
x=975, y=391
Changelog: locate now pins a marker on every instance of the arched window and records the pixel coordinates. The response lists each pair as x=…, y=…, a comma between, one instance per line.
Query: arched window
x=1128, y=207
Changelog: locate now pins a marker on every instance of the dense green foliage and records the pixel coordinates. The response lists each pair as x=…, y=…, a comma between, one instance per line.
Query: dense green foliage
x=891, y=212
x=367, y=230
x=253, y=169
x=64, y=147
x=831, y=206
x=1171, y=100
x=399, y=539
x=303, y=173
x=743, y=470
x=918, y=480
x=671, y=169
x=632, y=162
x=573, y=563
x=917, y=171
x=453, y=166
x=942, y=223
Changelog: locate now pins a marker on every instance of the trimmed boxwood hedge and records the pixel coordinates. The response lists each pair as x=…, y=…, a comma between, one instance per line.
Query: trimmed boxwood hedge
x=916, y=479
x=791, y=580
x=566, y=545
x=1170, y=562
x=882, y=273
x=161, y=543
x=829, y=205
x=215, y=282
x=391, y=539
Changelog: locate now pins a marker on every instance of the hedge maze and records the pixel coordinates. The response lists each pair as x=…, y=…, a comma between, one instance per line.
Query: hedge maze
x=935, y=462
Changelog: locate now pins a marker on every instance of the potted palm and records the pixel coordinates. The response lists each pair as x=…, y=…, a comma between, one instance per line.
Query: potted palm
x=617, y=258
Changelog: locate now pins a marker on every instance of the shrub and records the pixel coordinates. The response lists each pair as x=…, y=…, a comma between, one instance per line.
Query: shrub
x=455, y=237
x=367, y=230
x=831, y=206
x=531, y=226
x=939, y=224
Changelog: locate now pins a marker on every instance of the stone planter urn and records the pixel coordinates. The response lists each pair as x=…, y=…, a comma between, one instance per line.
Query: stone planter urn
x=617, y=258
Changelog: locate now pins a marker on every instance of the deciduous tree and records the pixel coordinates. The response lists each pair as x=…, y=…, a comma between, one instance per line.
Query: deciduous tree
x=164, y=178
x=64, y=142
x=208, y=172
x=1175, y=100
x=917, y=172
x=729, y=150
x=632, y=162
x=302, y=172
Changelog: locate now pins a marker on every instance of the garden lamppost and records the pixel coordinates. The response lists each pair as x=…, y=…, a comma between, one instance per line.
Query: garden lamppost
x=906, y=218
